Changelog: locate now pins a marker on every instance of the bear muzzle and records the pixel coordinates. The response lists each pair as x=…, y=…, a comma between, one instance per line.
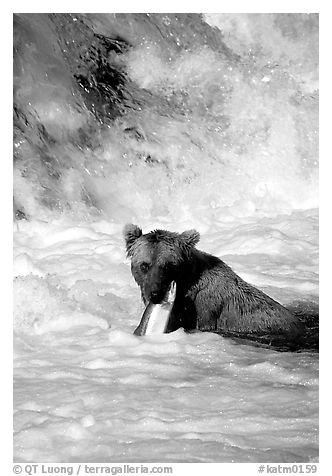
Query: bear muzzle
x=156, y=296
x=155, y=292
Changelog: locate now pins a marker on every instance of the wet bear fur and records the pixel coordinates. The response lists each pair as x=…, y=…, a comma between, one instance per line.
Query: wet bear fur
x=210, y=296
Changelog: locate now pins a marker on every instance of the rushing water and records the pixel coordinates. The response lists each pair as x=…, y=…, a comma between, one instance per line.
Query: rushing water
x=177, y=121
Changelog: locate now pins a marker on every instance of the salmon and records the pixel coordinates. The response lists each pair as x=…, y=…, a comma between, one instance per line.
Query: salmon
x=156, y=316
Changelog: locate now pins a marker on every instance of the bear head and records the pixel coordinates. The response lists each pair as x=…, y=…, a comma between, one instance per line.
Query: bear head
x=158, y=258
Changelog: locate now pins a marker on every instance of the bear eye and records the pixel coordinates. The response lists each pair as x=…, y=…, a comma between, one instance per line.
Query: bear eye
x=144, y=267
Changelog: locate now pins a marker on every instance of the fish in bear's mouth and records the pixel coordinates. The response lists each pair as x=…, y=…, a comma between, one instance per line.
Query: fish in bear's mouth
x=156, y=316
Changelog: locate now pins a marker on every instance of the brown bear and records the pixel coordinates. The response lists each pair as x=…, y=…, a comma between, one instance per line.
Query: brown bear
x=209, y=295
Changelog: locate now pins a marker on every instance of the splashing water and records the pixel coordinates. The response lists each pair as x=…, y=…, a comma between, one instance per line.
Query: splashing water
x=178, y=121
x=101, y=119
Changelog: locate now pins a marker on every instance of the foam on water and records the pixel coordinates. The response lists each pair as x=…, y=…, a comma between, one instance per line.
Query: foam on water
x=81, y=376
x=172, y=121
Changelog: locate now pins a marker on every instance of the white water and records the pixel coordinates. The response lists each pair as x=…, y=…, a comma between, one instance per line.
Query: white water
x=234, y=150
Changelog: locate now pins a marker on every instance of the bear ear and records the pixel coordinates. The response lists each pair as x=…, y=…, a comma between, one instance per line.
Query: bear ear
x=190, y=238
x=131, y=233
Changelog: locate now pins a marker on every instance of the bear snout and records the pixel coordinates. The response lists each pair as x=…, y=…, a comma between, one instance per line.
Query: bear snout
x=155, y=295
x=155, y=290
x=155, y=284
